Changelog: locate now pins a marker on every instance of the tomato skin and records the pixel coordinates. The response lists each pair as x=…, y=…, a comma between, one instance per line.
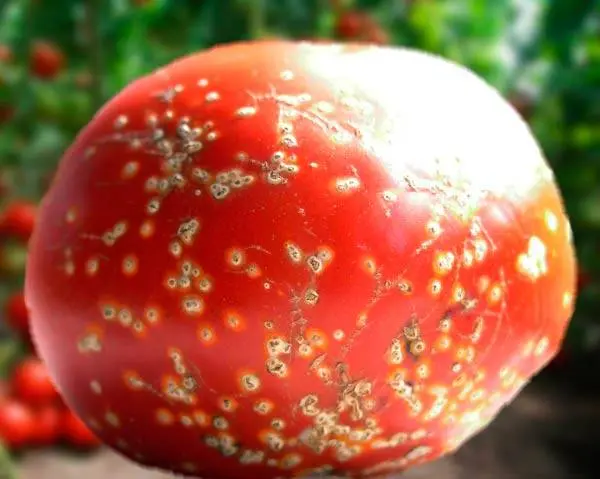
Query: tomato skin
x=18, y=220
x=76, y=433
x=31, y=383
x=17, y=424
x=307, y=259
x=47, y=60
x=47, y=426
x=16, y=314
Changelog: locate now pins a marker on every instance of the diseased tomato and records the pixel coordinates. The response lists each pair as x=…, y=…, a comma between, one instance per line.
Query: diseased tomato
x=17, y=424
x=76, y=432
x=273, y=259
x=16, y=313
x=31, y=383
x=47, y=426
x=18, y=219
x=47, y=60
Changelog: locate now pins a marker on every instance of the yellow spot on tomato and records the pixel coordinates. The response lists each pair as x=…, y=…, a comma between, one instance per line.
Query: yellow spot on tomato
x=206, y=334
x=316, y=338
x=235, y=257
x=164, y=417
x=369, y=265
x=147, y=229
x=234, y=321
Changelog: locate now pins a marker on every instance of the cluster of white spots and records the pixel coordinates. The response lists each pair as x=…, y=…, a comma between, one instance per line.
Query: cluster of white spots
x=395, y=352
x=227, y=181
x=188, y=230
x=237, y=258
x=278, y=168
x=533, y=263
x=246, y=112
x=90, y=343
x=190, y=277
x=311, y=296
x=277, y=346
x=125, y=317
x=347, y=184
x=273, y=440
x=443, y=262
x=399, y=438
x=225, y=443
x=192, y=305
x=315, y=262
x=251, y=456
x=184, y=386
x=111, y=236
x=405, y=391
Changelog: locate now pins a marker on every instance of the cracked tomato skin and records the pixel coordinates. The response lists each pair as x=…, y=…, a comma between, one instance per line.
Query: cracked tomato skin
x=277, y=259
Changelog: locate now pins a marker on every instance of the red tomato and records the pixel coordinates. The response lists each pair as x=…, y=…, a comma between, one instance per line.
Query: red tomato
x=18, y=219
x=275, y=258
x=48, y=424
x=31, y=383
x=75, y=431
x=360, y=26
x=351, y=25
x=16, y=313
x=47, y=60
x=17, y=423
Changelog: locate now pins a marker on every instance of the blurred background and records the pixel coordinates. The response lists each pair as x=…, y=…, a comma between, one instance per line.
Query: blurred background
x=60, y=60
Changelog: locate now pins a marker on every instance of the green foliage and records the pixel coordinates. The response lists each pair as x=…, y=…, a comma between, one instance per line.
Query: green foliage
x=552, y=66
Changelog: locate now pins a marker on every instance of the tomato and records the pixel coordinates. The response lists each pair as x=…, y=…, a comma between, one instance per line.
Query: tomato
x=274, y=259
x=18, y=219
x=17, y=424
x=76, y=433
x=360, y=26
x=48, y=424
x=46, y=60
x=16, y=313
x=31, y=383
